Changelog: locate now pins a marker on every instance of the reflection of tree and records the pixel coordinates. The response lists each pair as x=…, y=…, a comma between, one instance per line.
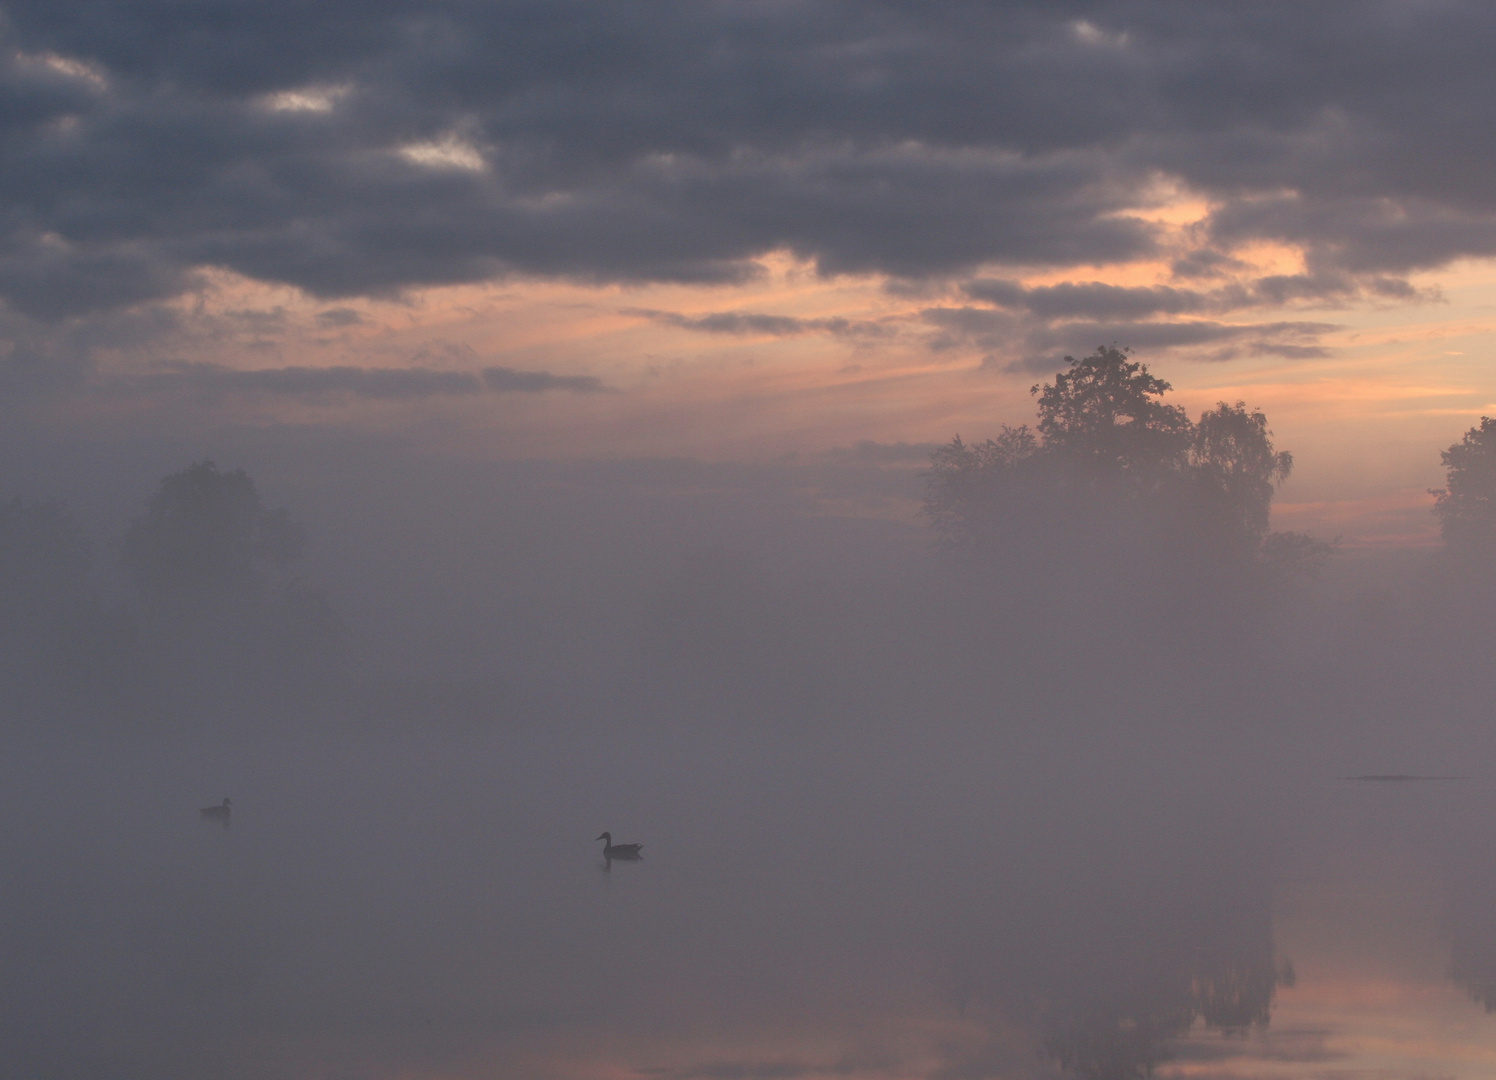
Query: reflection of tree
x=1475, y=970
x=1471, y=928
x=1238, y=992
x=1128, y=1039
x=1117, y=1047
x=1227, y=987
x=1107, y=978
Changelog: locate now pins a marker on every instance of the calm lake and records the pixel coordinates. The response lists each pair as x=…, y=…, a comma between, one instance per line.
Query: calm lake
x=955, y=904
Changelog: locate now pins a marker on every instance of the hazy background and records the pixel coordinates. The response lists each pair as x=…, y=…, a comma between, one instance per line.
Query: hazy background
x=587, y=364
x=904, y=814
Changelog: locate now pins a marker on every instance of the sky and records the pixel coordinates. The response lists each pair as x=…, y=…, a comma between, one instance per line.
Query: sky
x=750, y=232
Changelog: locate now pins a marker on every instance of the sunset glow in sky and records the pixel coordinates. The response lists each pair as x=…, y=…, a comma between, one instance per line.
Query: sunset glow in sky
x=797, y=363
x=850, y=224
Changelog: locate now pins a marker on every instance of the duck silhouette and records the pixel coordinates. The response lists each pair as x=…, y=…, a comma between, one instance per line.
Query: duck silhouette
x=217, y=813
x=618, y=851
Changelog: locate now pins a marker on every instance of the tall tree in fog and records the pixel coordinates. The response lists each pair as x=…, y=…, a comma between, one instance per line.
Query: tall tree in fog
x=1466, y=506
x=211, y=565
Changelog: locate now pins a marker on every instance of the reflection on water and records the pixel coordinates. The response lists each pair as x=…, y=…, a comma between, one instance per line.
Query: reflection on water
x=446, y=914
x=1472, y=932
x=1387, y=912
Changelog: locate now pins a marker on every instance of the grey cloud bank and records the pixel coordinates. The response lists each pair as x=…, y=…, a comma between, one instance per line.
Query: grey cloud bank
x=1038, y=341
x=361, y=149
x=346, y=381
x=744, y=323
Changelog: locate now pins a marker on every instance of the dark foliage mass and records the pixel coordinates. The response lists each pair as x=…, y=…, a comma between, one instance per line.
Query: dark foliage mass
x=1121, y=490
x=1466, y=506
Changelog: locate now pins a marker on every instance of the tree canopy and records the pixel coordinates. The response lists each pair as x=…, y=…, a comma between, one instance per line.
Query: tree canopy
x=1107, y=411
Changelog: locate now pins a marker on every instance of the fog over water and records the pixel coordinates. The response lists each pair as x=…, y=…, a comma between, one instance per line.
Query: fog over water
x=1066, y=798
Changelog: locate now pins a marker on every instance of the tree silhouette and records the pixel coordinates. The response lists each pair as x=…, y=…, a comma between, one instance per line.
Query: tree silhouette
x=1466, y=506
x=1236, y=467
x=1111, y=457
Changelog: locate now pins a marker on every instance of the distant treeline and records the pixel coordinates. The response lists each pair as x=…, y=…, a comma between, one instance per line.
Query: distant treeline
x=1111, y=476
x=1115, y=518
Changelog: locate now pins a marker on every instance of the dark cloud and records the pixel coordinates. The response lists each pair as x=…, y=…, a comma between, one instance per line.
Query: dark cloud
x=1029, y=346
x=1097, y=300
x=333, y=318
x=1089, y=300
x=972, y=326
x=750, y=323
x=1171, y=335
x=402, y=143
x=1364, y=235
x=745, y=1070
x=344, y=381
x=508, y=381
x=877, y=453
x=378, y=383
x=1205, y=263
x=731, y=322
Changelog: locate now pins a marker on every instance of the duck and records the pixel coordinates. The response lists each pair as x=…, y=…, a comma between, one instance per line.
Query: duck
x=618, y=851
x=217, y=813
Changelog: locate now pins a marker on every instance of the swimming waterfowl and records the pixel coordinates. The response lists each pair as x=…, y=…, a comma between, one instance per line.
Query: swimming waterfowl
x=218, y=813
x=618, y=851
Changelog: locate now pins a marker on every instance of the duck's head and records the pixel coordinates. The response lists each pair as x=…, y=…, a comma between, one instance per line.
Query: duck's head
x=225, y=802
x=606, y=836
